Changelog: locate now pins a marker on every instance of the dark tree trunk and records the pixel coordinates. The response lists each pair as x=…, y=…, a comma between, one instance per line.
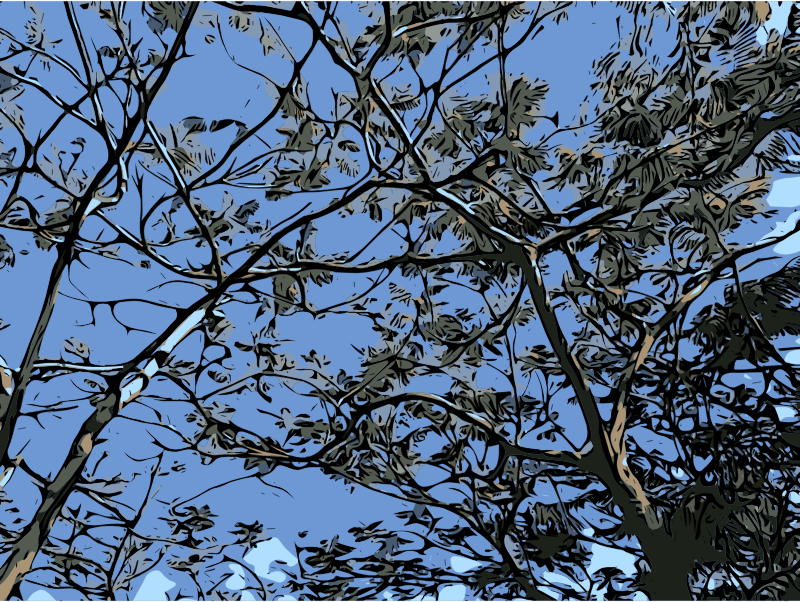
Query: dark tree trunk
x=669, y=575
x=671, y=560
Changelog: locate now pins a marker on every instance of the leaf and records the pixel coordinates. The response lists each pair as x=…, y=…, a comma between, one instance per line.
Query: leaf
x=35, y=30
x=240, y=20
x=406, y=103
x=241, y=128
x=6, y=253
x=348, y=168
x=220, y=331
x=524, y=103
x=13, y=116
x=285, y=291
x=270, y=46
x=109, y=251
x=166, y=15
x=349, y=145
x=155, y=58
x=77, y=347
x=199, y=518
x=776, y=299
x=341, y=156
x=229, y=221
x=206, y=18
x=242, y=346
x=249, y=534
x=182, y=142
x=182, y=369
x=398, y=293
x=308, y=240
x=375, y=212
x=219, y=376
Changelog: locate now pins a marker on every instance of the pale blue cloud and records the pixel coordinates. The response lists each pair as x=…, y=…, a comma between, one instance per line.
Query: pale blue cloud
x=267, y=552
x=793, y=357
x=452, y=592
x=790, y=245
x=604, y=557
x=785, y=193
x=41, y=596
x=154, y=587
x=462, y=565
x=236, y=581
x=777, y=20
x=559, y=579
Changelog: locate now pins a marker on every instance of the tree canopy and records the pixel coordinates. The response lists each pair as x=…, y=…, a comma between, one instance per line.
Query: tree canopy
x=489, y=300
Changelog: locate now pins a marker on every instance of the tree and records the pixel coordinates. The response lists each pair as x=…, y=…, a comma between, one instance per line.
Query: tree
x=531, y=340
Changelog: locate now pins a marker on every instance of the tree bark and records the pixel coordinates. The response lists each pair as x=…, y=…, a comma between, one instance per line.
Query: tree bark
x=670, y=565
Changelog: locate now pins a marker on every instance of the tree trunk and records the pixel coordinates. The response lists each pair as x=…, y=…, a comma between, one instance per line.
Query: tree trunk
x=671, y=559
